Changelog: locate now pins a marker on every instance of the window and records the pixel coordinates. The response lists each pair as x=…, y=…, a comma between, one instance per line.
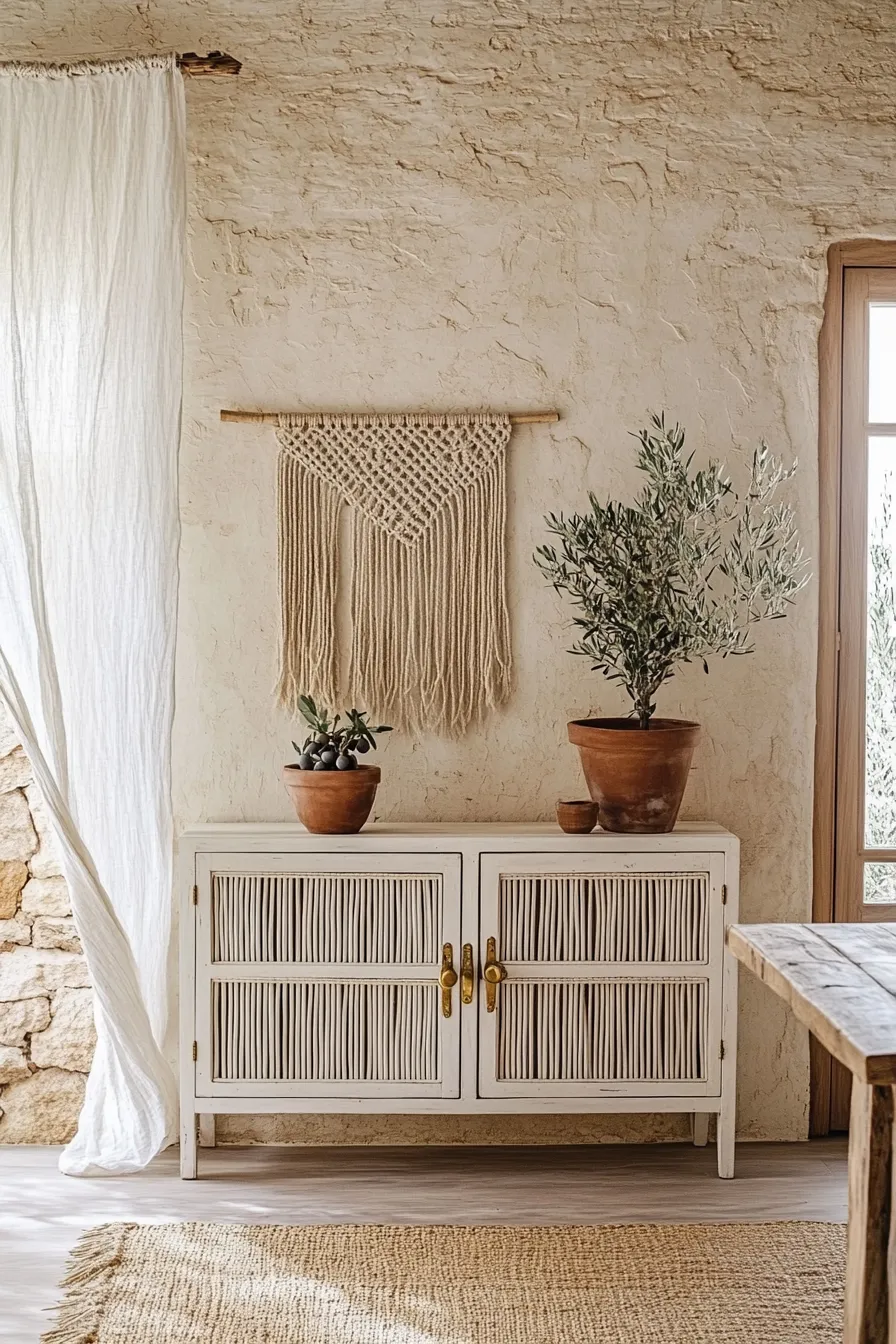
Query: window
x=865, y=826
x=855, y=768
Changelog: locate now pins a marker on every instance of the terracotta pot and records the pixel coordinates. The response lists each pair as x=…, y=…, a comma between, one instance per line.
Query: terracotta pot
x=636, y=776
x=577, y=818
x=332, y=802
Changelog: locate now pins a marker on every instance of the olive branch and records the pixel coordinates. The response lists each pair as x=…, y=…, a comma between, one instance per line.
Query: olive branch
x=681, y=574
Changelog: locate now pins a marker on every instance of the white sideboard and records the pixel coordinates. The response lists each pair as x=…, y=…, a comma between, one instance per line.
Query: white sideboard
x=456, y=968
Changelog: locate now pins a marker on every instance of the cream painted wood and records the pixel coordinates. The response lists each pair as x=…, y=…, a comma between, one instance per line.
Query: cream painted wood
x=320, y=979
x=613, y=975
x=310, y=966
x=247, y=1104
x=271, y=837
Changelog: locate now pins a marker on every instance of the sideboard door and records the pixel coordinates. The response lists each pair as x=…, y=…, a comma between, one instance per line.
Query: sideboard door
x=317, y=975
x=612, y=975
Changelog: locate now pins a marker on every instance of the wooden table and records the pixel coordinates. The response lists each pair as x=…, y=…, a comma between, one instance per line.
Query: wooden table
x=840, y=980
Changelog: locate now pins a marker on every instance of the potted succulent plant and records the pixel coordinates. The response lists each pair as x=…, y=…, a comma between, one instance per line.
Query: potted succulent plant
x=683, y=573
x=333, y=794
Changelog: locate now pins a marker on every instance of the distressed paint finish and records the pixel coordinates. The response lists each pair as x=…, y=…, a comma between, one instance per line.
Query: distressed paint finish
x=604, y=208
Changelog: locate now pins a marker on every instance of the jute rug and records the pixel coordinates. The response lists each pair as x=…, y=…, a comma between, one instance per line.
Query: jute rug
x=194, y=1283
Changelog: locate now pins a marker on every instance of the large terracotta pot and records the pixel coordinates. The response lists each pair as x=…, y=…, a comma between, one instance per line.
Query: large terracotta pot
x=332, y=802
x=636, y=776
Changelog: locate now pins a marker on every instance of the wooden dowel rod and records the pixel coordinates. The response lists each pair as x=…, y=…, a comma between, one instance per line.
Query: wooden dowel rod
x=272, y=417
x=215, y=63
x=536, y=418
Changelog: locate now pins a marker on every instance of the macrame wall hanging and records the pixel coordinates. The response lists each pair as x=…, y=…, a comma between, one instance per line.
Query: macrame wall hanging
x=405, y=515
x=424, y=569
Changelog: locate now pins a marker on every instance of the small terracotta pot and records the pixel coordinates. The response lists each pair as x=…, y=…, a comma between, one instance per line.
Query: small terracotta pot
x=636, y=776
x=577, y=818
x=332, y=802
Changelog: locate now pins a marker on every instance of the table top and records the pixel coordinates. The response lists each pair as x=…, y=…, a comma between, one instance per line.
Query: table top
x=839, y=979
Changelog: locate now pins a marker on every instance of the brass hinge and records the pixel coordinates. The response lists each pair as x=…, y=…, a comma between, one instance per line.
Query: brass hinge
x=721, y=1049
x=195, y=1052
x=195, y=895
x=724, y=893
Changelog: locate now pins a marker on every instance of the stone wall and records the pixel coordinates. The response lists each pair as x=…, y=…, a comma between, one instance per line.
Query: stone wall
x=46, y=1004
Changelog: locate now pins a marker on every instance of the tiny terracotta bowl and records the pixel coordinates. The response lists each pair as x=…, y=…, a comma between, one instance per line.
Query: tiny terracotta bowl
x=577, y=818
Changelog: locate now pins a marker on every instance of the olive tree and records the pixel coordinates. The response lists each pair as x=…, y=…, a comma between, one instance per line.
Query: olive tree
x=682, y=573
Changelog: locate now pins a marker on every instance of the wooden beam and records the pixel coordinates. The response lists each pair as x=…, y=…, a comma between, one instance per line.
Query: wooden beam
x=273, y=417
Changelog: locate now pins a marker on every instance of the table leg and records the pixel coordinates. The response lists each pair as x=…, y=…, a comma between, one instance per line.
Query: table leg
x=868, y=1235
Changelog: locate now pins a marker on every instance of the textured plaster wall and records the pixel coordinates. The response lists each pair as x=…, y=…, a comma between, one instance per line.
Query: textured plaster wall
x=601, y=207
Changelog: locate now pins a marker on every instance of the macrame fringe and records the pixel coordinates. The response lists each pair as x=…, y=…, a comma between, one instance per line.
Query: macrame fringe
x=308, y=546
x=430, y=631
x=91, y=1267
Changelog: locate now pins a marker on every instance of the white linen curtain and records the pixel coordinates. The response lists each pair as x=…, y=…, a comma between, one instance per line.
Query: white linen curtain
x=91, y=278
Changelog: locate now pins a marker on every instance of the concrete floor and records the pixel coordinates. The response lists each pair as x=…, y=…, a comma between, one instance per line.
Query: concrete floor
x=42, y=1213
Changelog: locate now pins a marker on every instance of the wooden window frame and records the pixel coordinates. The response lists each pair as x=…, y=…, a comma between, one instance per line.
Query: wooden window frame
x=826, y=1088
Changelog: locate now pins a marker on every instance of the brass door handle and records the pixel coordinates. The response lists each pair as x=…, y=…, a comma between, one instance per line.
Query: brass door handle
x=493, y=972
x=466, y=974
x=447, y=978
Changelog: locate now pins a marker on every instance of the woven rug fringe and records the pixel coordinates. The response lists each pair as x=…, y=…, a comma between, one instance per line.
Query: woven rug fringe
x=97, y=1255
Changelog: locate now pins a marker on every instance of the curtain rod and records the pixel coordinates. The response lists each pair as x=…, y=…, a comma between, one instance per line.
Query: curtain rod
x=215, y=63
x=273, y=417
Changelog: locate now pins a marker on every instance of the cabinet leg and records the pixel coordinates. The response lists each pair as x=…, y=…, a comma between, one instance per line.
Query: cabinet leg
x=870, y=1198
x=189, y=1158
x=206, y=1131
x=725, y=1140
x=701, y=1129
